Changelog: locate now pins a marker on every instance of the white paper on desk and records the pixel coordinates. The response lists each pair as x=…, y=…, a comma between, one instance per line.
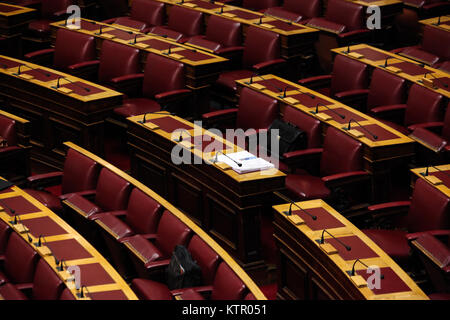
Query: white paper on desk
x=249, y=162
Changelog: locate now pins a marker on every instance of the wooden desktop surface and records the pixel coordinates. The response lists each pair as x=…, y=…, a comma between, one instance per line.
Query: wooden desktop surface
x=438, y=177
x=433, y=22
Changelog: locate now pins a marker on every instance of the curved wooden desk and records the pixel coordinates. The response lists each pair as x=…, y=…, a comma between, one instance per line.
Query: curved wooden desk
x=438, y=176
x=101, y=280
x=311, y=270
x=433, y=22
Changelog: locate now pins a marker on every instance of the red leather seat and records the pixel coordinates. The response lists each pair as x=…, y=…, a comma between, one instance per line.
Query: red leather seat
x=5, y=231
x=254, y=58
x=222, y=36
x=445, y=66
x=431, y=51
x=65, y=58
x=80, y=174
x=144, y=15
x=183, y=23
x=50, y=11
x=8, y=133
x=66, y=295
x=348, y=78
x=425, y=199
x=343, y=18
x=9, y=292
x=258, y=5
x=340, y=162
x=296, y=10
x=423, y=105
x=19, y=261
x=163, y=83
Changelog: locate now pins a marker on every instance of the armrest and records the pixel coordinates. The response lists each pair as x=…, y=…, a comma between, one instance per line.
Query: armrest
x=109, y=21
x=434, y=233
x=177, y=292
x=157, y=264
x=118, y=213
x=174, y=94
x=84, y=64
x=302, y=158
x=432, y=126
x=267, y=64
x=226, y=117
x=359, y=32
x=128, y=77
x=316, y=82
x=340, y=177
x=86, y=194
x=59, y=14
x=229, y=49
x=394, y=107
x=430, y=139
x=45, y=180
x=389, y=209
x=398, y=50
x=39, y=53
x=24, y=286
x=147, y=236
x=302, y=153
x=352, y=93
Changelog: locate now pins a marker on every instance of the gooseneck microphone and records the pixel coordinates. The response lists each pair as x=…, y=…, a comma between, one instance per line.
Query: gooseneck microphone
x=366, y=130
x=385, y=62
x=445, y=85
x=323, y=105
x=135, y=39
x=322, y=240
x=155, y=112
x=180, y=139
x=217, y=153
x=260, y=21
x=251, y=78
x=221, y=9
x=438, y=22
x=288, y=213
x=352, y=272
x=4, y=205
x=169, y=51
x=298, y=90
x=81, y=294
x=74, y=83
x=19, y=72
x=39, y=243
x=434, y=167
x=60, y=267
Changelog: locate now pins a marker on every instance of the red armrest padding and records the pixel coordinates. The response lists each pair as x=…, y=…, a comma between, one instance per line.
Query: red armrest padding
x=84, y=64
x=351, y=93
x=267, y=64
x=301, y=153
x=172, y=93
x=39, y=53
x=128, y=77
x=214, y=114
x=43, y=176
x=345, y=175
x=389, y=205
x=389, y=108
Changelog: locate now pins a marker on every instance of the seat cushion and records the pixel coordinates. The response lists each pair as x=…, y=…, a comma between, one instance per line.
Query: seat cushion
x=40, y=26
x=227, y=79
x=46, y=198
x=128, y=22
x=393, y=242
x=146, y=249
x=115, y=225
x=137, y=106
x=150, y=290
x=421, y=55
x=324, y=24
x=305, y=186
x=9, y=292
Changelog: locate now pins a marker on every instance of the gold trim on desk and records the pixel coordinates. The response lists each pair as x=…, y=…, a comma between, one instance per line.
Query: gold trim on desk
x=420, y=173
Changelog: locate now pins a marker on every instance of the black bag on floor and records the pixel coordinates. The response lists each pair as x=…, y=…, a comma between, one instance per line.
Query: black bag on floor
x=183, y=271
x=291, y=138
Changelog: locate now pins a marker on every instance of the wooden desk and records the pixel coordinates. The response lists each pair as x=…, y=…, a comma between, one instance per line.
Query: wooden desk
x=296, y=39
x=438, y=177
x=201, y=68
x=380, y=155
x=225, y=204
x=13, y=20
x=251, y=286
x=433, y=22
x=310, y=270
x=409, y=69
x=55, y=115
x=102, y=281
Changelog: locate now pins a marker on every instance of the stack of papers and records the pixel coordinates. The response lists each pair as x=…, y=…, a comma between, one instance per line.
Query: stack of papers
x=250, y=162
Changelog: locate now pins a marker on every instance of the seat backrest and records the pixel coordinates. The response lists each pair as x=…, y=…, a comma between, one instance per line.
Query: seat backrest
x=306, y=123
x=143, y=213
x=341, y=153
x=66, y=295
x=80, y=173
x=446, y=128
x=8, y=130
x=307, y=8
x=65, y=55
x=112, y=191
x=260, y=46
x=162, y=75
x=148, y=11
x=171, y=232
x=186, y=21
x=227, y=285
x=429, y=210
x=46, y=284
x=257, y=5
x=49, y=7
x=433, y=40
x=344, y=12
x=423, y=105
x=256, y=110
x=224, y=31
x=206, y=258
x=20, y=260
x=348, y=74
x=385, y=89
x=5, y=231
x=117, y=60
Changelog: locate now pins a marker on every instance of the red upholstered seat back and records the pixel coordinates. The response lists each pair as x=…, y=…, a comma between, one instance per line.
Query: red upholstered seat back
x=171, y=232
x=49, y=7
x=66, y=41
x=8, y=130
x=433, y=41
x=423, y=105
x=112, y=191
x=348, y=74
x=206, y=258
x=260, y=46
x=66, y=295
x=227, y=285
x=186, y=21
x=80, y=173
x=162, y=75
x=344, y=12
x=257, y=5
x=386, y=89
x=256, y=110
x=46, y=284
x=5, y=231
x=306, y=123
x=143, y=213
x=341, y=153
x=429, y=210
x=117, y=60
x=148, y=11
x=224, y=31
x=20, y=260
x=446, y=129
x=307, y=8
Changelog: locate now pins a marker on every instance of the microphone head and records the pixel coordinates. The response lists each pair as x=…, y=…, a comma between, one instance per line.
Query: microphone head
x=348, y=248
x=342, y=116
x=314, y=217
x=375, y=137
x=239, y=164
x=382, y=276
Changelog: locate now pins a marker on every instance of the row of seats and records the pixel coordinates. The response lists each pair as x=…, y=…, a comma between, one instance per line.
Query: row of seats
x=23, y=275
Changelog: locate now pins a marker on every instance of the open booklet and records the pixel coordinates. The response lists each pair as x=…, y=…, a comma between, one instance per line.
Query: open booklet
x=249, y=162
